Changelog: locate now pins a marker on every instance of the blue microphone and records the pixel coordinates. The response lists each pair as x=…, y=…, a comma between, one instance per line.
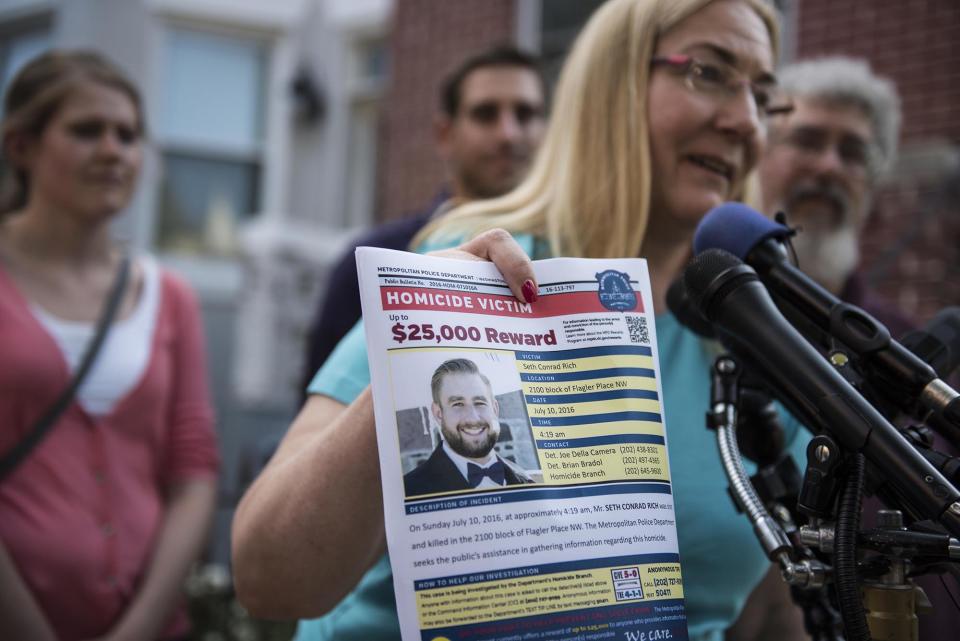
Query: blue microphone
x=736, y=228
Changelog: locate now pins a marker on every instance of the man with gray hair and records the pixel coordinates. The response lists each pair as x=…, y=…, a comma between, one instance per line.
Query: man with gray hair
x=822, y=163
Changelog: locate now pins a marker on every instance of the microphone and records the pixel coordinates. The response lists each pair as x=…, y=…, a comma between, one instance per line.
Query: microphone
x=902, y=375
x=680, y=305
x=759, y=432
x=938, y=343
x=729, y=294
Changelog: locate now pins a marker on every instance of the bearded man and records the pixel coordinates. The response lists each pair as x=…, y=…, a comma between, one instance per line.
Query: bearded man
x=822, y=164
x=467, y=412
x=821, y=167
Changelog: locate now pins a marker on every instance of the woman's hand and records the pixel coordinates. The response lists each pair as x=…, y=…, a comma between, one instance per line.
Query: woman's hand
x=499, y=247
x=189, y=510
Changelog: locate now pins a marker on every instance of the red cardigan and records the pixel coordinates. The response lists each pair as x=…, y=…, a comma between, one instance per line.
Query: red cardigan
x=79, y=516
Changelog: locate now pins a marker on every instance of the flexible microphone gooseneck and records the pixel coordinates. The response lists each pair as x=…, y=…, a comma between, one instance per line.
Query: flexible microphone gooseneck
x=900, y=374
x=729, y=294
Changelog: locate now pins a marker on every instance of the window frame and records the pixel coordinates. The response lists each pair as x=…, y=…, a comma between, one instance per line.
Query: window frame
x=365, y=96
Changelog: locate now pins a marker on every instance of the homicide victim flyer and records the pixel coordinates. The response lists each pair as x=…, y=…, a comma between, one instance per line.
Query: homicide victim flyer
x=523, y=450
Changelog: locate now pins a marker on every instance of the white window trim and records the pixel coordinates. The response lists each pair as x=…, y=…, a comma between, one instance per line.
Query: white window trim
x=271, y=15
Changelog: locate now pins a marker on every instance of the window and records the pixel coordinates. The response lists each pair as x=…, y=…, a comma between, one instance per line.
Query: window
x=367, y=77
x=560, y=21
x=210, y=131
x=17, y=47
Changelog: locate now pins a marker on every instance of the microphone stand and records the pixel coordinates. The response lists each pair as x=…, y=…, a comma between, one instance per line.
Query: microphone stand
x=806, y=577
x=821, y=560
x=830, y=499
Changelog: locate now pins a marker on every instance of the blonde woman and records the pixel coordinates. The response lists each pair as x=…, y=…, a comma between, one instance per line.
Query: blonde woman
x=659, y=115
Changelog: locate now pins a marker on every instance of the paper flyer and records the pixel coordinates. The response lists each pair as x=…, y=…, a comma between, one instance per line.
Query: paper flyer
x=523, y=450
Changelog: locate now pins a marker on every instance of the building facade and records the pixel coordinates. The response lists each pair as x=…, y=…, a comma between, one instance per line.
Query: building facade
x=278, y=129
x=260, y=164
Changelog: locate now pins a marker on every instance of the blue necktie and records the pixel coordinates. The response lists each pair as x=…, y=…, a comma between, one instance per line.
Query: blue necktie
x=475, y=473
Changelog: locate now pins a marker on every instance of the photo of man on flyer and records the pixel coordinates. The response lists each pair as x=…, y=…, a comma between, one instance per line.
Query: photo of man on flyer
x=467, y=412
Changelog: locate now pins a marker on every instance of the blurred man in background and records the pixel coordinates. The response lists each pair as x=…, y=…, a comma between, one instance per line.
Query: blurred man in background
x=489, y=125
x=821, y=166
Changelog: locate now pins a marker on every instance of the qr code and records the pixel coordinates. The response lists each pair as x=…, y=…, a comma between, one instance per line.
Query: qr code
x=637, y=327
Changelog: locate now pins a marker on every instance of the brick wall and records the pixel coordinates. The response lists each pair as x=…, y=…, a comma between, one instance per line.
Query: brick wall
x=912, y=249
x=429, y=38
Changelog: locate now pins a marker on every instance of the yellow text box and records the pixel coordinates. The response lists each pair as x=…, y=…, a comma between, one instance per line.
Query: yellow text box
x=584, y=364
x=545, y=594
x=613, y=428
x=601, y=463
x=591, y=385
x=560, y=410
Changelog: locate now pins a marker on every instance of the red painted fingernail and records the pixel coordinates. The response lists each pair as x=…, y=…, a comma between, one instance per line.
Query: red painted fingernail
x=529, y=291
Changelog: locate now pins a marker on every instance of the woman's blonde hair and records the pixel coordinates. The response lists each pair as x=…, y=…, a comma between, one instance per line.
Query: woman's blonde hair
x=35, y=95
x=588, y=191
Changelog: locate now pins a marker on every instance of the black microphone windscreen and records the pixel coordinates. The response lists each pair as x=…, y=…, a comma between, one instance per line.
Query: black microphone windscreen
x=938, y=343
x=704, y=268
x=711, y=275
x=685, y=310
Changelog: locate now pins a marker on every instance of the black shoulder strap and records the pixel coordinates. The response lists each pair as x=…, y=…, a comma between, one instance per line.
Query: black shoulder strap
x=41, y=428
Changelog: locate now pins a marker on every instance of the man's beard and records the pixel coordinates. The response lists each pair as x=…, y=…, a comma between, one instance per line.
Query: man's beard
x=827, y=245
x=470, y=448
x=828, y=256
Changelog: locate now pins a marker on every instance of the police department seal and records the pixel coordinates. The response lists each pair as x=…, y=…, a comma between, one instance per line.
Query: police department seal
x=616, y=293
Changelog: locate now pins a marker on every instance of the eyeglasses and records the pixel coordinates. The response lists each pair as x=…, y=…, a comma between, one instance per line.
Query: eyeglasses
x=852, y=150
x=723, y=81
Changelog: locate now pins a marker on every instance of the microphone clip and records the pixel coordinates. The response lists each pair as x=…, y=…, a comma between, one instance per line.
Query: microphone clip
x=787, y=236
x=724, y=393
